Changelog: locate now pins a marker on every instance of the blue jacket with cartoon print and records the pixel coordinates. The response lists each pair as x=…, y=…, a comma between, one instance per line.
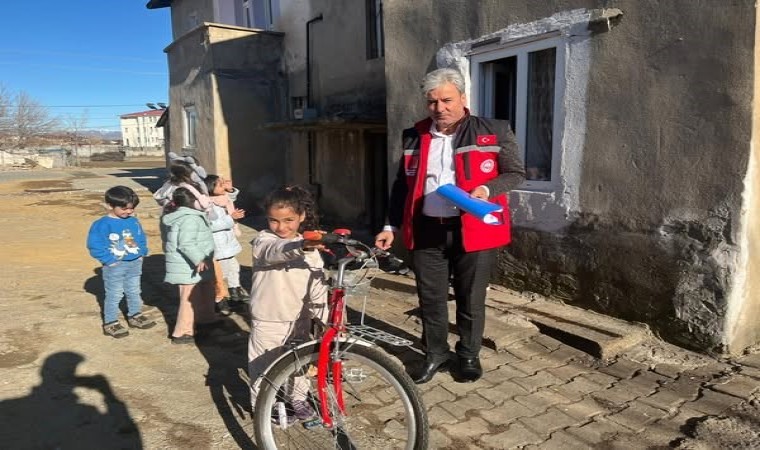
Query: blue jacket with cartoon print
x=112, y=239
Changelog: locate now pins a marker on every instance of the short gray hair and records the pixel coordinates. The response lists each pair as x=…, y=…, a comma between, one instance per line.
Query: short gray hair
x=439, y=77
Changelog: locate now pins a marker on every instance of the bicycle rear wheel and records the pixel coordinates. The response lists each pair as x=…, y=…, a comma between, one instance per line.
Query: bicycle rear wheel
x=383, y=409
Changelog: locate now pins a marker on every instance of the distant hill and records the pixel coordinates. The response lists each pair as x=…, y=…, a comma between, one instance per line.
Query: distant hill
x=108, y=135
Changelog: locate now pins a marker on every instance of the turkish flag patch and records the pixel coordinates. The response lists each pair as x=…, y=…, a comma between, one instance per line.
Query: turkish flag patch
x=486, y=139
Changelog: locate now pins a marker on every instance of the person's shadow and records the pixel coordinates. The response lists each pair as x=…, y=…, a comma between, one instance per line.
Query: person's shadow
x=51, y=416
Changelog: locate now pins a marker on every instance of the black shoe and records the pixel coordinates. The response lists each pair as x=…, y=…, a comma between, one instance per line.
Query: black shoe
x=429, y=369
x=469, y=370
x=238, y=294
x=223, y=307
x=184, y=339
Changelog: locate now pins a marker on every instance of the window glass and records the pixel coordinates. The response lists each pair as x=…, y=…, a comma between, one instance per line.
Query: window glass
x=375, y=38
x=539, y=120
x=190, y=122
x=518, y=84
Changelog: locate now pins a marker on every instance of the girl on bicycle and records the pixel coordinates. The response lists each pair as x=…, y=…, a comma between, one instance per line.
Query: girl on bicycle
x=288, y=287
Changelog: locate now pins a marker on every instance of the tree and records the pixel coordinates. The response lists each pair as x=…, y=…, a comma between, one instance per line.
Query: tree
x=29, y=119
x=5, y=119
x=22, y=118
x=74, y=126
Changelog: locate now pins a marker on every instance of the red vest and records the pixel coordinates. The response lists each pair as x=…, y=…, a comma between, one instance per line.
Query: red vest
x=475, y=162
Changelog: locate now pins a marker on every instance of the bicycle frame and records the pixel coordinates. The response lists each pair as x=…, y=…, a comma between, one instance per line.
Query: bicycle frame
x=329, y=344
x=337, y=324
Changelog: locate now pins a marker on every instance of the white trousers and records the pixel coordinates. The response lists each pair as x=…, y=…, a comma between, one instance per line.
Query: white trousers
x=266, y=343
x=231, y=271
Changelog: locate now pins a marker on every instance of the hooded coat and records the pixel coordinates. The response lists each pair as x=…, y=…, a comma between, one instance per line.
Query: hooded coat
x=188, y=240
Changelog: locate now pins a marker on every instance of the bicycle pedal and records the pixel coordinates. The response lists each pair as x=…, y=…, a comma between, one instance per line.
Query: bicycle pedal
x=312, y=423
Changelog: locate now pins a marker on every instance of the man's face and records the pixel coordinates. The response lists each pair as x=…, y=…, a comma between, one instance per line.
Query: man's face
x=445, y=105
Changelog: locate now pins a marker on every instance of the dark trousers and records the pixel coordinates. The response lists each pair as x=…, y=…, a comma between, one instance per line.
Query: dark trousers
x=438, y=255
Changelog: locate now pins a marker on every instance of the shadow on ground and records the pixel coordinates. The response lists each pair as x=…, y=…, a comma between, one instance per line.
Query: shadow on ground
x=151, y=178
x=51, y=416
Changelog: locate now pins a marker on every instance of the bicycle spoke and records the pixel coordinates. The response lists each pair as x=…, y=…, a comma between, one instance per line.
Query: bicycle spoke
x=383, y=410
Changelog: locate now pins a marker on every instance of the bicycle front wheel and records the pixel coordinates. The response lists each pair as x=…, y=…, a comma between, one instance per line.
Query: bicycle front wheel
x=383, y=409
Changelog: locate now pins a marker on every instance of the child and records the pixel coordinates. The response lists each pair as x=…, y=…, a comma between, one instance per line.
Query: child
x=181, y=175
x=226, y=245
x=288, y=288
x=198, y=172
x=189, y=251
x=117, y=240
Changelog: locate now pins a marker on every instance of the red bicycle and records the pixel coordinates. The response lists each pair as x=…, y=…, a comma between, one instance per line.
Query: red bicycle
x=361, y=397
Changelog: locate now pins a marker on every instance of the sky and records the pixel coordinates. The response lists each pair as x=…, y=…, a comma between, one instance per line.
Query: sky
x=97, y=58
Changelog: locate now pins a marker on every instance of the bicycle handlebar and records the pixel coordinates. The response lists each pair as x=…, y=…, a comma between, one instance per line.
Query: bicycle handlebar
x=341, y=237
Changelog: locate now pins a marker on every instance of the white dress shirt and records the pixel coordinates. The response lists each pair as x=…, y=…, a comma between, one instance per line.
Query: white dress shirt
x=440, y=171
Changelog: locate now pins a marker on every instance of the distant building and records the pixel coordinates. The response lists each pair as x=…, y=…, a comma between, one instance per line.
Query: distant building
x=139, y=129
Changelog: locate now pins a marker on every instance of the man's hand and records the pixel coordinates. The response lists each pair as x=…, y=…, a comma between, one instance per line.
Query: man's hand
x=202, y=266
x=384, y=240
x=479, y=192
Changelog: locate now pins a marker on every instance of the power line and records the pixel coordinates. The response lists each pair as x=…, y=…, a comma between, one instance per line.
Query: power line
x=87, y=55
x=96, y=69
x=80, y=106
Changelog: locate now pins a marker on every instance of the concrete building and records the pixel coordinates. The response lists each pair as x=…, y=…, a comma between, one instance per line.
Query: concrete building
x=138, y=129
x=637, y=122
x=252, y=100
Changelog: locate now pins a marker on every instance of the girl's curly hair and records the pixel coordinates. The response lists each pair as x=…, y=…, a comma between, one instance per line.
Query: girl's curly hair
x=297, y=198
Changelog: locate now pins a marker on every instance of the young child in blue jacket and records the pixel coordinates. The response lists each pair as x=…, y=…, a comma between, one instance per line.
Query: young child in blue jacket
x=118, y=242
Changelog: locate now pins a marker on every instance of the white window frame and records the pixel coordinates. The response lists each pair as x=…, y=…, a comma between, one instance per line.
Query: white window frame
x=190, y=126
x=481, y=98
x=247, y=14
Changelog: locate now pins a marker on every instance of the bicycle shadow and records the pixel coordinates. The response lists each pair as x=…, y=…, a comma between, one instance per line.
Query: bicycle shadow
x=52, y=416
x=225, y=349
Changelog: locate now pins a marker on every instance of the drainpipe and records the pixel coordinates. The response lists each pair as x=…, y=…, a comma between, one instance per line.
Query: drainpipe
x=310, y=134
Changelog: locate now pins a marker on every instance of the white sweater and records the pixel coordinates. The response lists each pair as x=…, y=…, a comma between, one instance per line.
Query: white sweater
x=287, y=283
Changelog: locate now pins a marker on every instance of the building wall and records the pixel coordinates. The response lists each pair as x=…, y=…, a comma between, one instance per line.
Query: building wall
x=344, y=84
x=233, y=80
x=141, y=131
x=188, y=14
x=645, y=219
x=191, y=84
x=741, y=327
x=250, y=92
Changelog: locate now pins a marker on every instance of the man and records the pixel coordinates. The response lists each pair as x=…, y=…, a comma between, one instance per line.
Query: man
x=479, y=156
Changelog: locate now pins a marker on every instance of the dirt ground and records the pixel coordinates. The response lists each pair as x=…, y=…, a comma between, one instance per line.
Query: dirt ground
x=64, y=384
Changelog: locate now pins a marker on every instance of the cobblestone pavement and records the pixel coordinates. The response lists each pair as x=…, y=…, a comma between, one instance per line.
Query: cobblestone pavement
x=536, y=392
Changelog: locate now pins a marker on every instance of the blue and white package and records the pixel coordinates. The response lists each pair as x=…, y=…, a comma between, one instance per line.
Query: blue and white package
x=479, y=208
